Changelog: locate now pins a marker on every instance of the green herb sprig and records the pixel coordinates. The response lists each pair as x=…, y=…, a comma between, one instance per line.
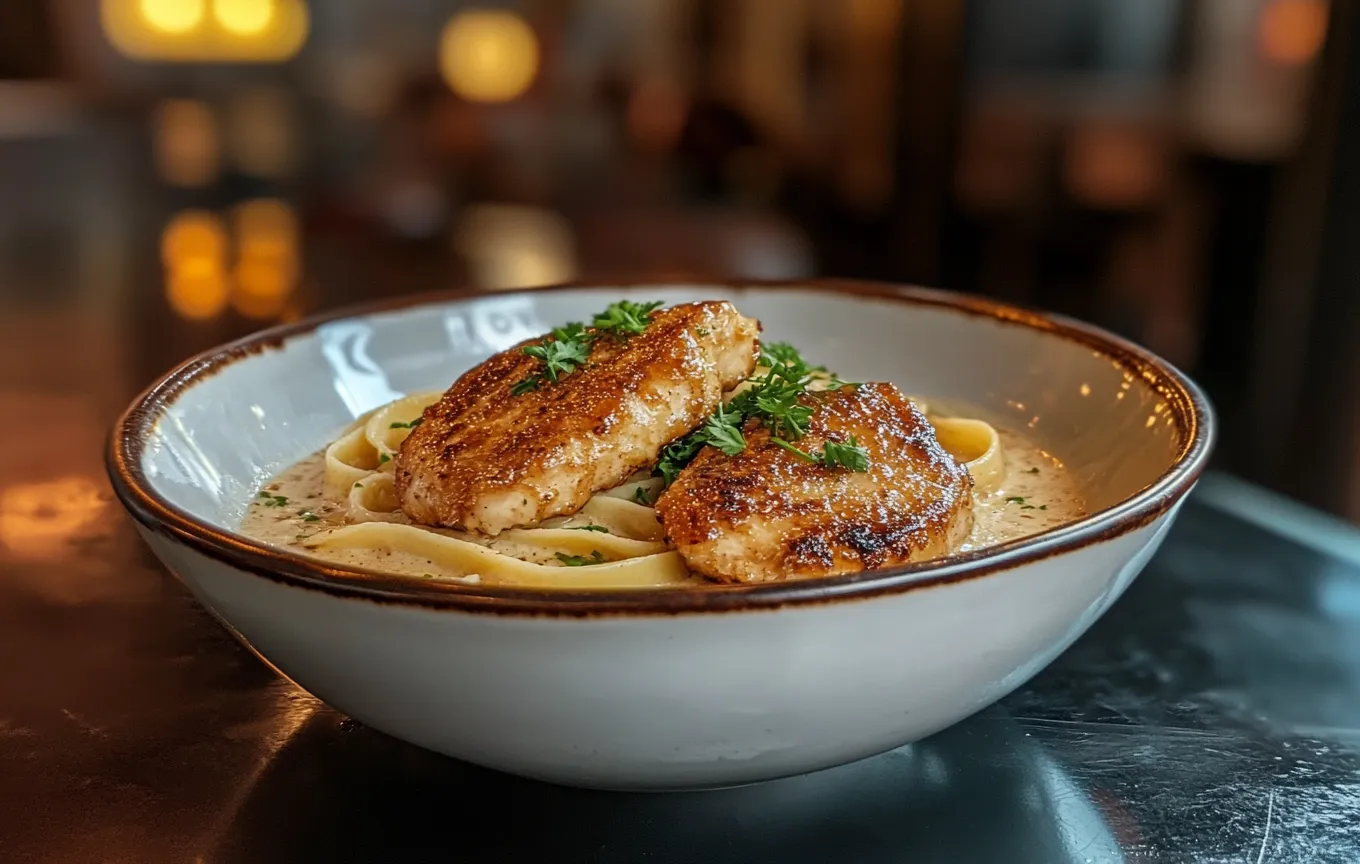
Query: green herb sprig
x=581, y=560
x=411, y=425
x=775, y=400
x=626, y=318
x=569, y=346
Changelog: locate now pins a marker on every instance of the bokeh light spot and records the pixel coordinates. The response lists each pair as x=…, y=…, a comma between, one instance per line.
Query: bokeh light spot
x=488, y=56
x=172, y=16
x=244, y=17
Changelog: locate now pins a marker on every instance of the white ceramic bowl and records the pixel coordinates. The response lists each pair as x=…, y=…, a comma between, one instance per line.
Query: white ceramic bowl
x=676, y=689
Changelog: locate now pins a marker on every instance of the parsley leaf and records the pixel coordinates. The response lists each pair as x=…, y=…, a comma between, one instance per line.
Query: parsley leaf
x=777, y=406
x=801, y=454
x=780, y=400
x=581, y=560
x=572, y=331
x=274, y=500
x=784, y=357
x=384, y=459
x=847, y=455
x=677, y=454
x=640, y=496
x=1015, y=499
x=309, y=516
x=723, y=430
x=560, y=357
x=568, y=348
x=626, y=318
x=600, y=528
x=411, y=425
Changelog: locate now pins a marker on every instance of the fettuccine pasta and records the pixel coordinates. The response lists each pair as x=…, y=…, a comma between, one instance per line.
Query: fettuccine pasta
x=341, y=505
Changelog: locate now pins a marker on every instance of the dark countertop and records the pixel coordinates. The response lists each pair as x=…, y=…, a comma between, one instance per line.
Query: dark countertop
x=1212, y=716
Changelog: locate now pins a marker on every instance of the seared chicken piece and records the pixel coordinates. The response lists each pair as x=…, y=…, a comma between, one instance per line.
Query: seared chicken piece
x=768, y=514
x=486, y=459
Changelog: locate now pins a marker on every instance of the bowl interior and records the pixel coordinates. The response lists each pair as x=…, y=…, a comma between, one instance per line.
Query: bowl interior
x=230, y=427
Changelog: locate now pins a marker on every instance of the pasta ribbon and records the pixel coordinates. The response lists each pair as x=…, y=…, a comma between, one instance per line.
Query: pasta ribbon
x=470, y=559
x=977, y=446
x=359, y=476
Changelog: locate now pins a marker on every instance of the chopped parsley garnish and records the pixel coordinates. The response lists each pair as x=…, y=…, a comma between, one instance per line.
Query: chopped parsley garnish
x=626, y=318
x=273, y=500
x=776, y=400
x=309, y=516
x=677, y=454
x=358, y=485
x=723, y=430
x=600, y=528
x=569, y=346
x=702, y=331
x=799, y=452
x=384, y=459
x=848, y=455
x=581, y=560
x=640, y=496
x=1034, y=470
x=834, y=454
x=1016, y=499
x=559, y=357
x=411, y=425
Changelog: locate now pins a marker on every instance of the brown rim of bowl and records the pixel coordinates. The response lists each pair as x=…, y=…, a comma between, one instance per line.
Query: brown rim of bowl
x=1191, y=411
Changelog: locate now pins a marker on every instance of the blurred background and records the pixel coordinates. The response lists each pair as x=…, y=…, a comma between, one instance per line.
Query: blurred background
x=174, y=173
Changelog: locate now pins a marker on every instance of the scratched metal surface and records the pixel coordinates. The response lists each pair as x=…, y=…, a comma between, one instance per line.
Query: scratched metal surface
x=1212, y=716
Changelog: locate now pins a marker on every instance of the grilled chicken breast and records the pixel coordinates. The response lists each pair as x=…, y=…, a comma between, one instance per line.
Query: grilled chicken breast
x=767, y=514
x=484, y=459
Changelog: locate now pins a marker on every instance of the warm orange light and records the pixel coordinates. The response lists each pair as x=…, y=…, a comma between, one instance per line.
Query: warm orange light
x=193, y=235
x=172, y=16
x=239, y=31
x=266, y=226
x=1291, y=32
x=509, y=246
x=244, y=17
x=196, y=292
x=194, y=251
x=267, y=258
x=37, y=519
x=488, y=56
x=261, y=289
x=185, y=140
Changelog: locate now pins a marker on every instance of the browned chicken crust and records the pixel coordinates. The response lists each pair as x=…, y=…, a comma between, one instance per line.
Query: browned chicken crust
x=486, y=460
x=766, y=514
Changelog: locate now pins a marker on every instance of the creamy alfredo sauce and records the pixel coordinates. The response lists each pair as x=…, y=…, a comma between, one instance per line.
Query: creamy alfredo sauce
x=1037, y=493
